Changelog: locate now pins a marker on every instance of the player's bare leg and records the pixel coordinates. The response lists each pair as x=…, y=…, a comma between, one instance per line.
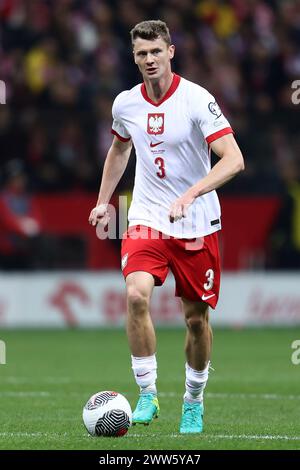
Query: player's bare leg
x=197, y=349
x=142, y=342
x=199, y=334
x=140, y=330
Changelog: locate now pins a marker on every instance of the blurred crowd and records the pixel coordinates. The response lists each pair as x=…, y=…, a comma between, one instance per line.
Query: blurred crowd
x=64, y=61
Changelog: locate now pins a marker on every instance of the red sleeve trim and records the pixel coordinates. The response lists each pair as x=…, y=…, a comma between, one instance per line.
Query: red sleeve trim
x=217, y=135
x=122, y=139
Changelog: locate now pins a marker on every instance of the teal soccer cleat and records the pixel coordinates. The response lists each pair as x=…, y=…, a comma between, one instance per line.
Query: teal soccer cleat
x=147, y=408
x=192, y=418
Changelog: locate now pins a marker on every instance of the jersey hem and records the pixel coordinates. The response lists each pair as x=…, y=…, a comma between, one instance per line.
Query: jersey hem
x=188, y=235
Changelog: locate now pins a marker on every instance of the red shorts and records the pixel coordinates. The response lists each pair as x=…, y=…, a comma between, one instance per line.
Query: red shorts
x=195, y=264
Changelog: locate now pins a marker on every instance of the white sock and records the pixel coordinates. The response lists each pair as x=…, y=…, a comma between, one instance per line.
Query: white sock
x=144, y=369
x=195, y=382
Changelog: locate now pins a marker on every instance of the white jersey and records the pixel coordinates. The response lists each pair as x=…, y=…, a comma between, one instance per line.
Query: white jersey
x=171, y=140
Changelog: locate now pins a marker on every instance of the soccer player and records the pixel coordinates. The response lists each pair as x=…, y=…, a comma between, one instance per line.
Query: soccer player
x=174, y=216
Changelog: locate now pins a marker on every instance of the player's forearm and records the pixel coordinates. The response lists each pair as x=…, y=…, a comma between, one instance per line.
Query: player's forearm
x=226, y=168
x=114, y=167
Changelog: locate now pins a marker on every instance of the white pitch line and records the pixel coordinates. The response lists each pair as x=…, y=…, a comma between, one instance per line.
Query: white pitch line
x=255, y=437
x=209, y=395
x=267, y=437
x=220, y=436
x=264, y=396
x=24, y=394
x=33, y=435
x=246, y=437
x=26, y=380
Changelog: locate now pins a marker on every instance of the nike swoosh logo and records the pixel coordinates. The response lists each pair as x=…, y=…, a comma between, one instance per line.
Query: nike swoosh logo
x=154, y=145
x=206, y=297
x=142, y=375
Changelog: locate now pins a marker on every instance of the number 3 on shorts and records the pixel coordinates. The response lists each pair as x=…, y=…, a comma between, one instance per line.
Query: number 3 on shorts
x=210, y=279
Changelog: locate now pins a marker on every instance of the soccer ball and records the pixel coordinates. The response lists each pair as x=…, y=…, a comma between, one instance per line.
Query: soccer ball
x=107, y=414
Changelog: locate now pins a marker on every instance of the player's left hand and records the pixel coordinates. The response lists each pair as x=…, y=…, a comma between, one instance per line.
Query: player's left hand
x=179, y=208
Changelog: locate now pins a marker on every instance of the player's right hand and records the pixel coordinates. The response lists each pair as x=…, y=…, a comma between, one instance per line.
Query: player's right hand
x=30, y=226
x=99, y=215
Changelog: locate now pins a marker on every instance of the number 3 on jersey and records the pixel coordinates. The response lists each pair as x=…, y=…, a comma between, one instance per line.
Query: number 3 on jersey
x=161, y=173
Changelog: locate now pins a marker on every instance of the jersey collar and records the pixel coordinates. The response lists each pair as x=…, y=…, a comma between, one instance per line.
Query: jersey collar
x=171, y=90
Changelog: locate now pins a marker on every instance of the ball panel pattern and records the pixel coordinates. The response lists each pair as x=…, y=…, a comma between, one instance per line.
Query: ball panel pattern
x=100, y=399
x=113, y=423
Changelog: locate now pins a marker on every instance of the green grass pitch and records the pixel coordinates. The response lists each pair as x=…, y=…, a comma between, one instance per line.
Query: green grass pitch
x=252, y=399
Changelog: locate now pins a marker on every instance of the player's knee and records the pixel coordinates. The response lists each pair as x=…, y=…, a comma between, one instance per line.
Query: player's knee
x=137, y=302
x=197, y=323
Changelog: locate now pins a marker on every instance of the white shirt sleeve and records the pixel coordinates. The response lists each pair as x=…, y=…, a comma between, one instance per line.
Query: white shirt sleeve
x=118, y=128
x=209, y=116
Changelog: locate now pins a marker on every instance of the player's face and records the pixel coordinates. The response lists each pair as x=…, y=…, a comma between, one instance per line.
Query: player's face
x=153, y=58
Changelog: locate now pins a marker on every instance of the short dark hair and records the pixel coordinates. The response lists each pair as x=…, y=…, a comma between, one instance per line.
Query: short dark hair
x=150, y=30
